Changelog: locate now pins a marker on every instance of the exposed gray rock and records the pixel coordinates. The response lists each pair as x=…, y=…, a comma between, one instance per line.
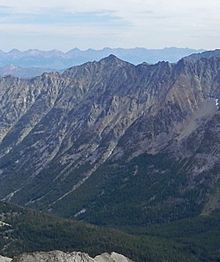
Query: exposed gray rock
x=58, y=132
x=5, y=259
x=59, y=256
x=113, y=257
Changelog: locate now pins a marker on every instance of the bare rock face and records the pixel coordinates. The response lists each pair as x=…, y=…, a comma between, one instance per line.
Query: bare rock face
x=113, y=257
x=58, y=256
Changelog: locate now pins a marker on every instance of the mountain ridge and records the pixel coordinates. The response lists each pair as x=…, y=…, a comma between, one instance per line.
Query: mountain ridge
x=98, y=128
x=59, y=60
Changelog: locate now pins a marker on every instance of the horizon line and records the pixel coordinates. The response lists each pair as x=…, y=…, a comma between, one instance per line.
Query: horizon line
x=99, y=49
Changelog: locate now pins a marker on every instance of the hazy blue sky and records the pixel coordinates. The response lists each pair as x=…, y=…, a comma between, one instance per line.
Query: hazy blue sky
x=65, y=24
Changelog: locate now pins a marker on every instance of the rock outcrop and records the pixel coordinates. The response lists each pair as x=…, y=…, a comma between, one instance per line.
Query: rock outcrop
x=5, y=259
x=59, y=256
x=113, y=257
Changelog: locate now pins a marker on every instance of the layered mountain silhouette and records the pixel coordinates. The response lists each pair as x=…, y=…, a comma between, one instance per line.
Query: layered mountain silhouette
x=59, y=60
x=114, y=143
x=22, y=72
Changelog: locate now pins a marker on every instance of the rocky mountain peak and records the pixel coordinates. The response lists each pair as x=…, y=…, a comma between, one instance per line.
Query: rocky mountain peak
x=63, y=130
x=113, y=60
x=111, y=57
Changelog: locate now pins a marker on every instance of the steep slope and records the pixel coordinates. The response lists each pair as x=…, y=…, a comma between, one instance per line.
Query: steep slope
x=114, y=143
x=29, y=231
x=207, y=54
x=200, y=235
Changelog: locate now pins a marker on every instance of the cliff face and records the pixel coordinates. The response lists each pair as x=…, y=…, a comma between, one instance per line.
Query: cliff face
x=109, y=138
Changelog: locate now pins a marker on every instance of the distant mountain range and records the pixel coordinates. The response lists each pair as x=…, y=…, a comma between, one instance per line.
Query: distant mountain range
x=22, y=72
x=59, y=60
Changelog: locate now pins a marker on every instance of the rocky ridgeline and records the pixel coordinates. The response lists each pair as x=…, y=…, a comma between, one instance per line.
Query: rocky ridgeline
x=70, y=142
x=59, y=256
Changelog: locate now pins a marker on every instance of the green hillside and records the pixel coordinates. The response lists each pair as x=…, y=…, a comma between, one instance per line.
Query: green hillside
x=29, y=230
x=195, y=239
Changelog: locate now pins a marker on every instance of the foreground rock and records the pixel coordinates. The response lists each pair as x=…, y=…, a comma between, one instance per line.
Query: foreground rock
x=59, y=256
x=113, y=257
x=4, y=259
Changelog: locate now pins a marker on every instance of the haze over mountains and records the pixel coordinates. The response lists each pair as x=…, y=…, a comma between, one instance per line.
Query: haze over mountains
x=22, y=72
x=114, y=143
x=59, y=60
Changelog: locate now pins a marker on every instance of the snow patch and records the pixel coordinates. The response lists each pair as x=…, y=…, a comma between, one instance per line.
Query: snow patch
x=11, y=195
x=3, y=224
x=83, y=211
